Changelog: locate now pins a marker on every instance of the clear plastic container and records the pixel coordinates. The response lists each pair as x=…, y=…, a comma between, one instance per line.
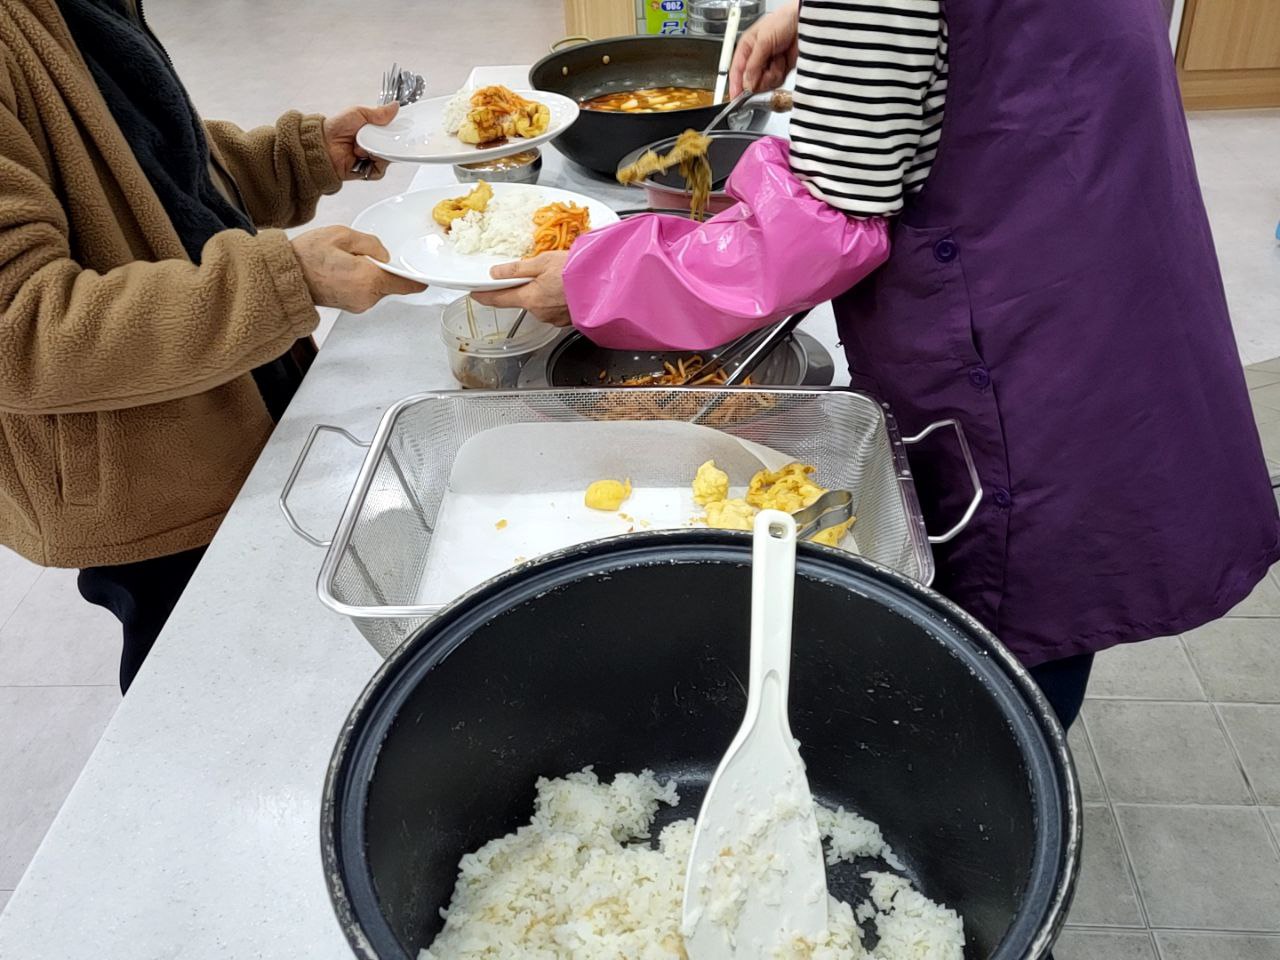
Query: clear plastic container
x=480, y=355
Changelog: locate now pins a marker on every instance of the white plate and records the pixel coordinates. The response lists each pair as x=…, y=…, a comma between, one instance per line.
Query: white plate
x=421, y=251
x=417, y=134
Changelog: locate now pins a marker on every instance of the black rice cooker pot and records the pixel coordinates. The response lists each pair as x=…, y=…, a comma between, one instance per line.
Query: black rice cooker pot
x=626, y=654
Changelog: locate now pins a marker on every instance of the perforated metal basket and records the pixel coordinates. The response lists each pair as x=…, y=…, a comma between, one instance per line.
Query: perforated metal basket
x=378, y=554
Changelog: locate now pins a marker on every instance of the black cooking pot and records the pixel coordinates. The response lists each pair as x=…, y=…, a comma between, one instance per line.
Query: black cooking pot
x=627, y=654
x=599, y=138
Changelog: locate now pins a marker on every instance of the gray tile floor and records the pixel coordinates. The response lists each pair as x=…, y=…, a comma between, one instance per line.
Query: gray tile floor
x=1179, y=746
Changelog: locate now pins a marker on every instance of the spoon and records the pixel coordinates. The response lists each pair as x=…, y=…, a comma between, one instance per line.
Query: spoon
x=756, y=877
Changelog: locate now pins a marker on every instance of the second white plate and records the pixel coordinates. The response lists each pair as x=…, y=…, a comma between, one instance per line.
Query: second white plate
x=417, y=135
x=420, y=249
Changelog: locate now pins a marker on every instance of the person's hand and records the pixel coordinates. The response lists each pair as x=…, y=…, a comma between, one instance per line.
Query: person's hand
x=543, y=296
x=340, y=138
x=338, y=274
x=767, y=52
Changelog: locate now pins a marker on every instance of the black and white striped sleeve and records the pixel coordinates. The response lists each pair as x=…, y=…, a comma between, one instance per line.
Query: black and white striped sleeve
x=871, y=84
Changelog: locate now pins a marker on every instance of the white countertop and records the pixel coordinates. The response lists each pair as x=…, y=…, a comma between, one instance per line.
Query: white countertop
x=193, y=831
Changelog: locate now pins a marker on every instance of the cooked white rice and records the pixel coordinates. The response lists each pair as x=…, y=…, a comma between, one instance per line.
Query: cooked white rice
x=505, y=229
x=456, y=110
x=580, y=880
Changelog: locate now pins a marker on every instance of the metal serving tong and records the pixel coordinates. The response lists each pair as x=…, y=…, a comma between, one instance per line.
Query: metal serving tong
x=830, y=510
x=743, y=356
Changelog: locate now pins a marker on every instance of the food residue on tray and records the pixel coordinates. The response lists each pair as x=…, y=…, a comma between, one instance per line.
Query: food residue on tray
x=790, y=489
x=491, y=115
x=500, y=525
x=607, y=495
x=585, y=872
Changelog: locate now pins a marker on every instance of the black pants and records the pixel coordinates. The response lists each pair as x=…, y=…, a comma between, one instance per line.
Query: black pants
x=141, y=595
x=1064, y=683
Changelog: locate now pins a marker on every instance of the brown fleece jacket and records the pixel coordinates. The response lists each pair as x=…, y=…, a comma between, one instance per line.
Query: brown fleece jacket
x=128, y=413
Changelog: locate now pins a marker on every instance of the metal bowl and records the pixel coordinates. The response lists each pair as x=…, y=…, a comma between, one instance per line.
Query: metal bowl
x=574, y=361
x=512, y=169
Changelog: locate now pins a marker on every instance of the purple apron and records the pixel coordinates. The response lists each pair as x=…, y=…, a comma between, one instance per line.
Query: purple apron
x=1055, y=288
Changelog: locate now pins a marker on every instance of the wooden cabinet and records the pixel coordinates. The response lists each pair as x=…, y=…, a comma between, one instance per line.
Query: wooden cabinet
x=1229, y=53
x=598, y=19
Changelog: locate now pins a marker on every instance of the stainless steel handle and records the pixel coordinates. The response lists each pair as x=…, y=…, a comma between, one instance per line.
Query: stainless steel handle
x=735, y=105
x=297, y=469
x=967, y=454
x=775, y=101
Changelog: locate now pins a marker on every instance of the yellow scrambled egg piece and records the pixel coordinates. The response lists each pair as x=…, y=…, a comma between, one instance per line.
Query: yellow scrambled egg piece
x=710, y=484
x=790, y=489
x=832, y=536
x=731, y=515
x=607, y=494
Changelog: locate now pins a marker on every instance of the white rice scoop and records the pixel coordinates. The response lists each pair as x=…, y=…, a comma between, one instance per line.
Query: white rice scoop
x=756, y=877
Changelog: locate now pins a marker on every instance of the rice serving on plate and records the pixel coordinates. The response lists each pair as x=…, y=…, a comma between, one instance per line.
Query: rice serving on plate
x=581, y=880
x=504, y=229
x=456, y=110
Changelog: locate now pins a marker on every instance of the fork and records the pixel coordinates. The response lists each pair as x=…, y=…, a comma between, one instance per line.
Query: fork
x=392, y=86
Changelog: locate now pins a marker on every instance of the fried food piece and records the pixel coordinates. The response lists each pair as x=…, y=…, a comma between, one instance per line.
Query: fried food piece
x=447, y=211
x=532, y=119
x=484, y=125
x=607, y=495
x=792, y=488
x=789, y=489
x=710, y=484
x=731, y=515
x=499, y=114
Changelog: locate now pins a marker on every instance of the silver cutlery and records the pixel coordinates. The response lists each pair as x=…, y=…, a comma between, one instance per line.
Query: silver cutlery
x=398, y=86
